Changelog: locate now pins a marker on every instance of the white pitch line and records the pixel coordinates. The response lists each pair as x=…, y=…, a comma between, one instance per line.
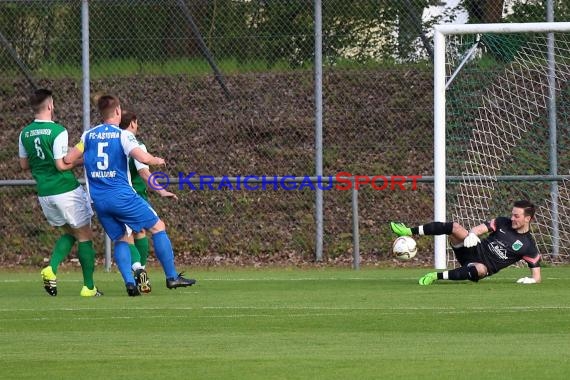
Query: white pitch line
x=336, y=313
x=397, y=308
x=169, y=316
x=305, y=308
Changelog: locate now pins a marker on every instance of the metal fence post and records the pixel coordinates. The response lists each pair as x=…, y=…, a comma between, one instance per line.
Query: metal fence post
x=318, y=128
x=355, y=231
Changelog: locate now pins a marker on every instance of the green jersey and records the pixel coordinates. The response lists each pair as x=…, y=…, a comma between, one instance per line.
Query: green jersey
x=42, y=142
x=137, y=181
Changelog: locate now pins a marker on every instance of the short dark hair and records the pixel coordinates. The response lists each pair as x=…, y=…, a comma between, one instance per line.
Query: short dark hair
x=38, y=98
x=107, y=104
x=127, y=117
x=527, y=206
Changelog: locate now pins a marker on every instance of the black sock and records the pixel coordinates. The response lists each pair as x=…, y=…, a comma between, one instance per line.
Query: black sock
x=434, y=228
x=462, y=273
x=458, y=274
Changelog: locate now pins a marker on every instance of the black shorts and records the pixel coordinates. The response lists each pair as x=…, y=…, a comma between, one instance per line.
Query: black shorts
x=467, y=255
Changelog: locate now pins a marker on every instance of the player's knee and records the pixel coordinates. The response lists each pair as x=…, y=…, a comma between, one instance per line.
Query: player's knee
x=459, y=232
x=476, y=271
x=83, y=233
x=159, y=226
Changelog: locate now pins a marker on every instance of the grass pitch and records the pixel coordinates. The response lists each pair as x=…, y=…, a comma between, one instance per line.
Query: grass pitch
x=288, y=324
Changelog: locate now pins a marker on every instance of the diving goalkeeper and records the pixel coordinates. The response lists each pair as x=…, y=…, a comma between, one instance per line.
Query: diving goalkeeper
x=509, y=241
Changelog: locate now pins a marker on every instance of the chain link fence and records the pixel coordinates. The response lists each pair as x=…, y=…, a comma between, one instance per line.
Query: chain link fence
x=226, y=88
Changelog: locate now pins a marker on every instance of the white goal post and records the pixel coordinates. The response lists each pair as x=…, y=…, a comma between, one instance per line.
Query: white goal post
x=440, y=33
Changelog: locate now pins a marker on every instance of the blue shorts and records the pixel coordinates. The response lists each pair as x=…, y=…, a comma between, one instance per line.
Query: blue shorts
x=117, y=210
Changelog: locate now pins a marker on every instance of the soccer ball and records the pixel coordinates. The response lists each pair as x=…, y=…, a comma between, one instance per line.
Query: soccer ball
x=404, y=248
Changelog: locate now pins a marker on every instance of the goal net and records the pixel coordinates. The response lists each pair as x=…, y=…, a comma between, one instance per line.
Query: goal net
x=504, y=128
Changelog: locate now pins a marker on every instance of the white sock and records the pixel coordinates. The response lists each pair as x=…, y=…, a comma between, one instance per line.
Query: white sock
x=136, y=266
x=445, y=275
x=420, y=230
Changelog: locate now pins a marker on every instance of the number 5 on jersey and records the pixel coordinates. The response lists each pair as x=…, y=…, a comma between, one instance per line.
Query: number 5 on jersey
x=104, y=156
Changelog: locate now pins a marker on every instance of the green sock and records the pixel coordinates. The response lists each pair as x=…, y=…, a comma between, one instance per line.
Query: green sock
x=135, y=255
x=86, y=255
x=61, y=250
x=142, y=246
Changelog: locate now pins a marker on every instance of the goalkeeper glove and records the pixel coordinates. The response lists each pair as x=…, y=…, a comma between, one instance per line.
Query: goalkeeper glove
x=471, y=240
x=526, y=280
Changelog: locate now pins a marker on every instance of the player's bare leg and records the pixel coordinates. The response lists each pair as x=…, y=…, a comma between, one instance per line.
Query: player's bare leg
x=458, y=234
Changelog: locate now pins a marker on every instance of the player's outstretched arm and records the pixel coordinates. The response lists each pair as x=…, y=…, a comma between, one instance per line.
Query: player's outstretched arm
x=145, y=174
x=145, y=157
x=534, y=279
x=480, y=229
x=62, y=164
x=535, y=272
x=472, y=239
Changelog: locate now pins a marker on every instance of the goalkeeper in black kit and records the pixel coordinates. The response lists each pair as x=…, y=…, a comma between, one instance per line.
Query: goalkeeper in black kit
x=509, y=241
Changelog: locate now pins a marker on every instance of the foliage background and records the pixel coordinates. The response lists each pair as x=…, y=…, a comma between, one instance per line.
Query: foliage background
x=377, y=101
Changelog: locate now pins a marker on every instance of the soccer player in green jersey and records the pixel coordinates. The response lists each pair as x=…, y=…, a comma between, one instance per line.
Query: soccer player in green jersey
x=140, y=174
x=65, y=204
